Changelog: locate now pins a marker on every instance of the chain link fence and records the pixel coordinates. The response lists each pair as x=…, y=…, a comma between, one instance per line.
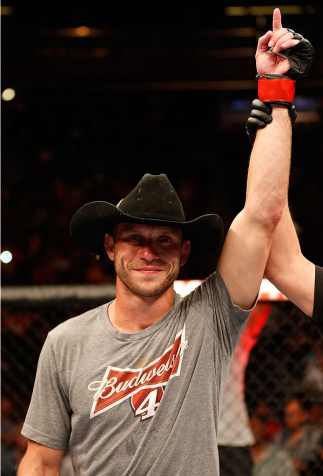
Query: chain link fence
x=274, y=389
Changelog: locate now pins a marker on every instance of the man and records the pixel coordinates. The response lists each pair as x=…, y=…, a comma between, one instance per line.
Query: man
x=296, y=277
x=133, y=387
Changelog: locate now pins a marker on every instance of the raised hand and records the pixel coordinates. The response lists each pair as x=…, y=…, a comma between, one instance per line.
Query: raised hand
x=269, y=61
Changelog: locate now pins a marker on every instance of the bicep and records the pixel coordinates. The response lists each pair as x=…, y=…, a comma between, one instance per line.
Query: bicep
x=40, y=457
x=243, y=259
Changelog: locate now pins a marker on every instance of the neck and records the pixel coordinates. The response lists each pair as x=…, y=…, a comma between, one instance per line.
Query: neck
x=130, y=313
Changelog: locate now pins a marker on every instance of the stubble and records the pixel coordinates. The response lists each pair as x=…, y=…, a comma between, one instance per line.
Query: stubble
x=144, y=288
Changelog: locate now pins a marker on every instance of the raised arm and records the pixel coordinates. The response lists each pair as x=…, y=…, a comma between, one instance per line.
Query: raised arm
x=246, y=248
x=40, y=460
x=288, y=269
x=247, y=245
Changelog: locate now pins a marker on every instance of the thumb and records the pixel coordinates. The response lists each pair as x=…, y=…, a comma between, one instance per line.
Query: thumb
x=263, y=43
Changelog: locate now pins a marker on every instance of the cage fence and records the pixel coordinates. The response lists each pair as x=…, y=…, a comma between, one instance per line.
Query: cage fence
x=279, y=359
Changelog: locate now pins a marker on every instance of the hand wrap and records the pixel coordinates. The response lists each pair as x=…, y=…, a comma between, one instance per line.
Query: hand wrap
x=277, y=89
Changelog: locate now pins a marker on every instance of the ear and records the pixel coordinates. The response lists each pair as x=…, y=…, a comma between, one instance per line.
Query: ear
x=186, y=249
x=109, y=246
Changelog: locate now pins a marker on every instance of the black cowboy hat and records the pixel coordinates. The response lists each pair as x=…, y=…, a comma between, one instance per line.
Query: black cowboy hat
x=153, y=201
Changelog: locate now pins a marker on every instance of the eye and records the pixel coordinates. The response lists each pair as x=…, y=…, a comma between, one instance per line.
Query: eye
x=164, y=239
x=134, y=237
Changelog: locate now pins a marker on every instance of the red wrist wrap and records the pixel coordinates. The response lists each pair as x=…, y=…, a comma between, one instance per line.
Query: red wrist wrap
x=279, y=89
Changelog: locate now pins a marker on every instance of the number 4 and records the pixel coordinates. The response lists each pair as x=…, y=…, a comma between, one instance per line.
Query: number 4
x=149, y=405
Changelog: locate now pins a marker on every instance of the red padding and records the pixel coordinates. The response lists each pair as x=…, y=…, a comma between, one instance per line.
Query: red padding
x=281, y=89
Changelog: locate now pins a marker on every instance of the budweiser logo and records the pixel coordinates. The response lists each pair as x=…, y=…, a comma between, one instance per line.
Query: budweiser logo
x=143, y=385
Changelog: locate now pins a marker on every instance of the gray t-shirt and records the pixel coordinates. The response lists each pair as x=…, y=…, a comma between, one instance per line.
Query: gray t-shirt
x=139, y=404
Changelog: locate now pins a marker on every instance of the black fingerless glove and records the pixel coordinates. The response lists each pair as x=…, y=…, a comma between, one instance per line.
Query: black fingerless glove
x=260, y=116
x=300, y=57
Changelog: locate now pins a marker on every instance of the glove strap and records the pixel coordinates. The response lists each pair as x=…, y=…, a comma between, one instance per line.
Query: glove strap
x=273, y=88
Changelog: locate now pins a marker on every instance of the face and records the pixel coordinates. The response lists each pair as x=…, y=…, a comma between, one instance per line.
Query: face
x=294, y=415
x=147, y=258
x=257, y=427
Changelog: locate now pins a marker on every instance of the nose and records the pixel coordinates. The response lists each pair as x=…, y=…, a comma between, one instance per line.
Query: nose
x=148, y=253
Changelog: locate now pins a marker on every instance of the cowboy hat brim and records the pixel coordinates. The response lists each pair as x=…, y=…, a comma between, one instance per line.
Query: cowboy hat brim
x=93, y=220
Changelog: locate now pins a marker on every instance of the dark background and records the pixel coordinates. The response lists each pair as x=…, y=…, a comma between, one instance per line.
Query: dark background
x=158, y=88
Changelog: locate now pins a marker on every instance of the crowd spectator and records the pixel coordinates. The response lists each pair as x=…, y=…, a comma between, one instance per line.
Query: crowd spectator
x=300, y=439
x=268, y=459
x=271, y=424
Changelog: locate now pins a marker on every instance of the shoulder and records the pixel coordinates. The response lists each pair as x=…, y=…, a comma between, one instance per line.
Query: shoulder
x=78, y=325
x=214, y=294
x=201, y=294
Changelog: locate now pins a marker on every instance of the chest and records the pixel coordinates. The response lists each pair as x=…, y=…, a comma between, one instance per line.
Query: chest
x=134, y=376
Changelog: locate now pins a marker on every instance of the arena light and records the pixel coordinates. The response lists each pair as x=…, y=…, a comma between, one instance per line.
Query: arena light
x=82, y=31
x=6, y=11
x=258, y=10
x=268, y=292
x=8, y=94
x=6, y=257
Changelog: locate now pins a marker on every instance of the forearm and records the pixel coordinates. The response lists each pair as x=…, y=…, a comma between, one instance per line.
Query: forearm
x=40, y=460
x=34, y=468
x=269, y=167
x=285, y=247
x=287, y=268
x=247, y=245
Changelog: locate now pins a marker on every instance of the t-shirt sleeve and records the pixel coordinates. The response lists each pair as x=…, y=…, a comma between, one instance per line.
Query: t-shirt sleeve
x=317, y=317
x=48, y=417
x=213, y=301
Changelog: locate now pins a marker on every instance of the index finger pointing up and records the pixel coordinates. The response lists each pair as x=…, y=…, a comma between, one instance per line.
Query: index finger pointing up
x=277, y=20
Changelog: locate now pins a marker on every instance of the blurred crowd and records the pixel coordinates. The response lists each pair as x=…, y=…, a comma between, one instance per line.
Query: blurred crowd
x=62, y=149
x=292, y=447
x=284, y=394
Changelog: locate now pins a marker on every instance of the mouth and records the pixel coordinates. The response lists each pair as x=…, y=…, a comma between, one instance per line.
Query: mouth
x=149, y=270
